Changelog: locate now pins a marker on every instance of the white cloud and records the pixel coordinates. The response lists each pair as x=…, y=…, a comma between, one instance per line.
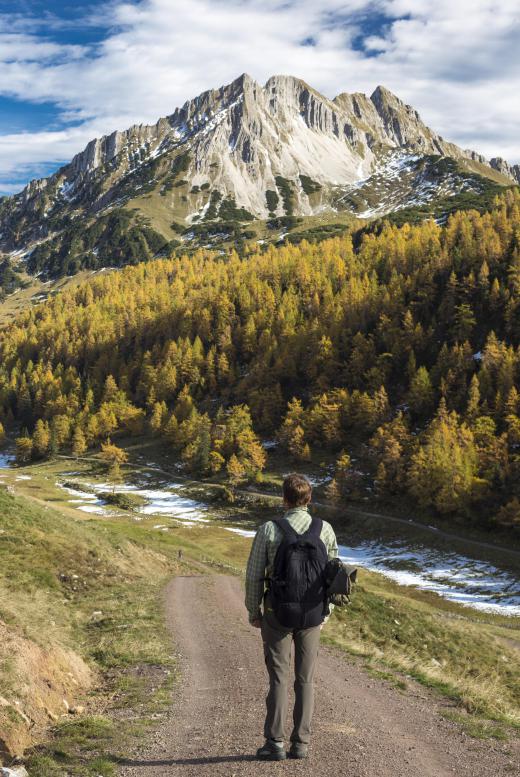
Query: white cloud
x=458, y=63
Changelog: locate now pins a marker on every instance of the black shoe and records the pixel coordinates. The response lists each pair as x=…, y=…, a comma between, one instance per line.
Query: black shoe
x=298, y=750
x=271, y=751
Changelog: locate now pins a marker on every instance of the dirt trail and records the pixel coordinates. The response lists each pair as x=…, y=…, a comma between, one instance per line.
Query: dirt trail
x=363, y=728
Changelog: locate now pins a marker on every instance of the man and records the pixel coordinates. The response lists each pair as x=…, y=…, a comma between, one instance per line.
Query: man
x=277, y=638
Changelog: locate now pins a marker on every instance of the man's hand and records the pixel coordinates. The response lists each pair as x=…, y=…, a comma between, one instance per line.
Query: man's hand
x=257, y=623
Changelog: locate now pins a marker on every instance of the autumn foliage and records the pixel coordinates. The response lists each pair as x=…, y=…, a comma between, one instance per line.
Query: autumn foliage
x=404, y=341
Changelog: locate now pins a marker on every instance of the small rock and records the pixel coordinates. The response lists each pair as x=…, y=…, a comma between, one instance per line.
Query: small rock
x=20, y=771
x=434, y=662
x=78, y=710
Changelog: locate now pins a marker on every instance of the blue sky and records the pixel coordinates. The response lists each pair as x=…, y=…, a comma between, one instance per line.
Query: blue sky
x=71, y=71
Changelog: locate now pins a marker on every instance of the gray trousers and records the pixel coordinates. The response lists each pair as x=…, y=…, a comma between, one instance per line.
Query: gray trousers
x=277, y=651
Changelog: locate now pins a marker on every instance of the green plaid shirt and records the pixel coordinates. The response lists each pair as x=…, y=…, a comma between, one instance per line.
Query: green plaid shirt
x=263, y=551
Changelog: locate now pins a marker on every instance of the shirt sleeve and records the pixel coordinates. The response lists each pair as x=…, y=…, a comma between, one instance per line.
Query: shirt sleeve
x=255, y=574
x=331, y=544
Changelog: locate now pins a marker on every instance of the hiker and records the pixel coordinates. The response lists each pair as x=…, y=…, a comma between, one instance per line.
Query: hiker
x=285, y=598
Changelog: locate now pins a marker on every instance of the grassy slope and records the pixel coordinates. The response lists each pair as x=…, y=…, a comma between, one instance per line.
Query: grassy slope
x=486, y=172
x=78, y=611
x=106, y=625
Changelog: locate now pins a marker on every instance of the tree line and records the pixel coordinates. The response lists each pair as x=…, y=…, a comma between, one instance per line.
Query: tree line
x=401, y=345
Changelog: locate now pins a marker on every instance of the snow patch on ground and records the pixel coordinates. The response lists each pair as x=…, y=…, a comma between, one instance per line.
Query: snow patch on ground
x=241, y=532
x=164, y=502
x=96, y=509
x=455, y=577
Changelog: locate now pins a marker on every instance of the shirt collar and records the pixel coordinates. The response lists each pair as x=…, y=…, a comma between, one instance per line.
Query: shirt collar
x=299, y=509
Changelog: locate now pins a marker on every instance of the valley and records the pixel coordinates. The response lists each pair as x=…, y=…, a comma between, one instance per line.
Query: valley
x=393, y=632
x=265, y=280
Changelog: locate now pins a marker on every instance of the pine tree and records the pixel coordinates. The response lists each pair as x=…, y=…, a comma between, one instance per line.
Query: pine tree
x=332, y=491
x=235, y=470
x=473, y=404
x=420, y=395
x=60, y=426
x=184, y=405
x=171, y=429
x=158, y=417
x=113, y=457
x=216, y=462
x=444, y=469
x=24, y=446
x=41, y=438
x=110, y=390
x=292, y=434
x=195, y=434
x=79, y=443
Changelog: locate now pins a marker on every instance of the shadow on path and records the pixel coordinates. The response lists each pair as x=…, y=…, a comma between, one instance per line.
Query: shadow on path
x=216, y=759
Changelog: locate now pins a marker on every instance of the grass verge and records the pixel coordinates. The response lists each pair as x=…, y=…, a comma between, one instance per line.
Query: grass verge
x=84, y=648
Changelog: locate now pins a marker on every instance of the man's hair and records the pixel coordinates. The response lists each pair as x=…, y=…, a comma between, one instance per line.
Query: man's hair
x=297, y=490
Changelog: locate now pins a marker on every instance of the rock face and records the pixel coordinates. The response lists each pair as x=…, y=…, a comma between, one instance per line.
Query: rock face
x=503, y=167
x=278, y=149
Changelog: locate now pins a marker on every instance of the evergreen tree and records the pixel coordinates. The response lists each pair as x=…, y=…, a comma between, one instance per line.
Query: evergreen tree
x=79, y=443
x=113, y=457
x=41, y=439
x=420, y=395
x=444, y=469
x=24, y=446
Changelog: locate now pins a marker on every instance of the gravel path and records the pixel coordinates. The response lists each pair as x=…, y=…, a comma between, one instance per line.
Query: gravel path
x=362, y=726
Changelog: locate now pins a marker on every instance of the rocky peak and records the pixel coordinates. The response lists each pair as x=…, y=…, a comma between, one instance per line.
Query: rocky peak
x=402, y=123
x=503, y=167
x=197, y=111
x=278, y=149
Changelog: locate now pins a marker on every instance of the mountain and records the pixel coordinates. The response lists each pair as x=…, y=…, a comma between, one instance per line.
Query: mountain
x=237, y=154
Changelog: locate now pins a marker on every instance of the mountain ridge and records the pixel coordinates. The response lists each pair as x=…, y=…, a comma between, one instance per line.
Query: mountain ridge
x=381, y=98
x=244, y=151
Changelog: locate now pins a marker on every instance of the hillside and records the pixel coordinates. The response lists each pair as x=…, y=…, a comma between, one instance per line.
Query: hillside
x=67, y=588
x=238, y=163
x=393, y=351
x=87, y=665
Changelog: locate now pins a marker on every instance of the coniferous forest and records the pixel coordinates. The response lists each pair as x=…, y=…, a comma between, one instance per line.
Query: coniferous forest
x=399, y=343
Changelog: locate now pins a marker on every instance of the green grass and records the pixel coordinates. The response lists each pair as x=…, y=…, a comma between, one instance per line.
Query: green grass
x=81, y=619
x=107, y=611
x=412, y=633
x=476, y=727
x=124, y=501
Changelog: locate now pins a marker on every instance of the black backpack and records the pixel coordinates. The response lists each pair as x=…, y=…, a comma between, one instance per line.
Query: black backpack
x=297, y=586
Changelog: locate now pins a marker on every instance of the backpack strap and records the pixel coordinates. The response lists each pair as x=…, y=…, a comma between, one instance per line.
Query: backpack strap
x=288, y=531
x=315, y=528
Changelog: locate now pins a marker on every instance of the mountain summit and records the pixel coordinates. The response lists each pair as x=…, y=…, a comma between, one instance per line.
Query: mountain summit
x=246, y=151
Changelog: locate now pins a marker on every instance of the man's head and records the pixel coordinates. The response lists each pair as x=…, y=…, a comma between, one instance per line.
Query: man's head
x=297, y=491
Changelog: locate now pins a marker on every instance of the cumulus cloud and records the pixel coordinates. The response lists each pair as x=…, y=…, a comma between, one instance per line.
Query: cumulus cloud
x=457, y=63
